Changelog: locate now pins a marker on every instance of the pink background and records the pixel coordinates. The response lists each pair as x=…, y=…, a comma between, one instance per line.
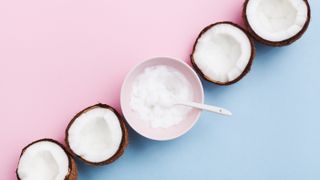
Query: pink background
x=57, y=57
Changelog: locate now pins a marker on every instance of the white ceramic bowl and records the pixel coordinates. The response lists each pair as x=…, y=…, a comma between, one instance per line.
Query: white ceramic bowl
x=143, y=127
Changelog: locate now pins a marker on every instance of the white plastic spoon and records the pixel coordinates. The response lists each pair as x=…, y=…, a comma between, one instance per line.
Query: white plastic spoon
x=205, y=107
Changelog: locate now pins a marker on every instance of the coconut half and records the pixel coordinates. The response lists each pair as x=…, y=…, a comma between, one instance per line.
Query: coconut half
x=223, y=53
x=97, y=135
x=276, y=22
x=46, y=159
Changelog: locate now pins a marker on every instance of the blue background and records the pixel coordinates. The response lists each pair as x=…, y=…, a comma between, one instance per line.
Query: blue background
x=273, y=134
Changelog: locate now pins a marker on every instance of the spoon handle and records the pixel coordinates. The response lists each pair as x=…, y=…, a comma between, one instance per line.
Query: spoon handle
x=206, y=107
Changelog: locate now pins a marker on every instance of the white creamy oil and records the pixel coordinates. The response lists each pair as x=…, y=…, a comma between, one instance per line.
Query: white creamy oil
x=154, y=92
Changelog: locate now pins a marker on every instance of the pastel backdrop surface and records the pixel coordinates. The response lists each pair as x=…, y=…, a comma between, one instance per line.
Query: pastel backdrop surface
x=57, y=57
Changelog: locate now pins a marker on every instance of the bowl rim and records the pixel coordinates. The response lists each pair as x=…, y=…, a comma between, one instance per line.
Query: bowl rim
x=125, y=81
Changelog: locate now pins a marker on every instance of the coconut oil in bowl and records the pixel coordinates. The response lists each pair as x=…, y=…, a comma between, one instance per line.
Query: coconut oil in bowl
x=147, y=92
x=153, y=93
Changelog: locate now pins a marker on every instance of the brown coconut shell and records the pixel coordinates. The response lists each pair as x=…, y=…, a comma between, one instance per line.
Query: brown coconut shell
x=123, y=144
x=72, y=173
x=275, y=43
x=245, y=71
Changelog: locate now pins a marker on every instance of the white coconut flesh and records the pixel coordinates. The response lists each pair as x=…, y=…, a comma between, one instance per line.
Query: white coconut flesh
x=95, y=135
x=276, y=20
x=43, y=160
x=222, y=52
